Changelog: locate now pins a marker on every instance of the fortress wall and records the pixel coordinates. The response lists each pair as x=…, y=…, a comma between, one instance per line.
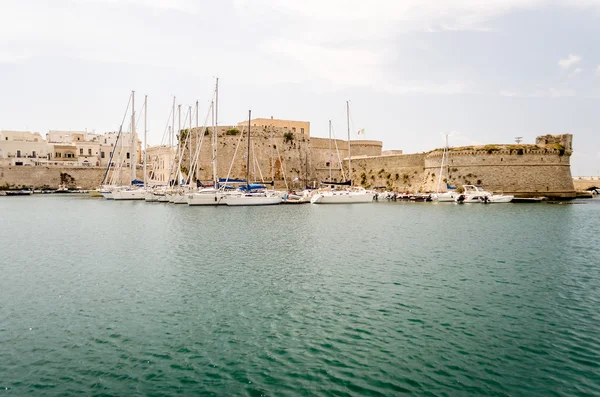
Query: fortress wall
x=366, y=148
x=397, y=172
x=293, y=154
x=38, y=177
x=535, y=172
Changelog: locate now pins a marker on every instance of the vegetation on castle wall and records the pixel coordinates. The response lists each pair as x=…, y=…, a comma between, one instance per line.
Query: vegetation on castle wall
x=232, y=131
x=288, y=137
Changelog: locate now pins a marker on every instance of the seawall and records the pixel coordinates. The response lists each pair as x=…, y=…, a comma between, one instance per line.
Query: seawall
x=39, y=177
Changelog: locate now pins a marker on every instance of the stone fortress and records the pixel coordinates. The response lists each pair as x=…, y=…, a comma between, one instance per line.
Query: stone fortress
x=286, y=149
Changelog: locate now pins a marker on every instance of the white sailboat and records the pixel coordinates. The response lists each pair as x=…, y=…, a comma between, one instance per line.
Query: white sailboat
x=451, y=194
x=246, y=196
x=349, y=195
x=211, y=195
x=132, y=192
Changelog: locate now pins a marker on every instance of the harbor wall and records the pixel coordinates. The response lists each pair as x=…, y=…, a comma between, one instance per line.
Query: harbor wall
x=395, y=172
x=39, y=177
x=295, y=156
x=586, y=182
x=523, y=173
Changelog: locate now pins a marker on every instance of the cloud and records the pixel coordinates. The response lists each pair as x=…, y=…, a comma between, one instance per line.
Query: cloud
x=569, y=61
x=575, y=72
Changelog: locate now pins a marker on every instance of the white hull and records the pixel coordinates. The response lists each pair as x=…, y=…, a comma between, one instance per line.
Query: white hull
x=500, y=199
x=107, y=195
x=162, y=197
x=342, y=197
x=250, y=199
x=150, y=197
x=179, y=198
x=137, y=194
x=448, y=197
x=212, y=198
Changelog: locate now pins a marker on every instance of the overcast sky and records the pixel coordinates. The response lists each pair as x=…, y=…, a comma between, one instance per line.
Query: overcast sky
x=483, y=71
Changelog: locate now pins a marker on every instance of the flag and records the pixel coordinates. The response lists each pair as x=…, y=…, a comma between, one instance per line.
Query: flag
x=361, y=132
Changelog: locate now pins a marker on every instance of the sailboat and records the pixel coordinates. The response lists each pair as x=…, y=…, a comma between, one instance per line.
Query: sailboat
x=132, y=192
x=451, y=194
x=249, y=195
x=349, y=195
x=211, y=195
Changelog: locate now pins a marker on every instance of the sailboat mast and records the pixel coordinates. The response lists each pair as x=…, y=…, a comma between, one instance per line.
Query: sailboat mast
x=349, y=155
x=173, y=125
x=212, y=111
x=248, y=153
x=197, y=138
x=272, y=153
x=437, y=189
x=189, y=139
x=330, y=153
x=180, y=147
x=132, y=157
x=145, y=137
x=215, y=135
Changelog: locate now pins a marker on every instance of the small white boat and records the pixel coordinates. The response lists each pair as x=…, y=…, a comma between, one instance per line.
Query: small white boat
x=500, y=199
x=447, y=197
x=475, y=194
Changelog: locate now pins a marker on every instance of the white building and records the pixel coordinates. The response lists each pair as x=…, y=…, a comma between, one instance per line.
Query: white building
x=159, y=160
x=22, y=147
x=72, y=148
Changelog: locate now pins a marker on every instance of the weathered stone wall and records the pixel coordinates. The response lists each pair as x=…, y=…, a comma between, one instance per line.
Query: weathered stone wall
x=397, y=172
x=535, y=172
x=301, y=157
x=586, y=182
x=38, y=177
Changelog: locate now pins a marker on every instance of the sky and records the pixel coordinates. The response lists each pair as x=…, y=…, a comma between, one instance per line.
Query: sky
x=413, y=70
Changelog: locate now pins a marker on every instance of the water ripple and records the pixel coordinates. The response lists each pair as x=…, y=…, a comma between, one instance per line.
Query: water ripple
x=377, y=300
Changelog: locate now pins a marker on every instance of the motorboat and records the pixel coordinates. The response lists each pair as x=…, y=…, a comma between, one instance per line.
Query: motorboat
x=475, y=194
x=294, y=198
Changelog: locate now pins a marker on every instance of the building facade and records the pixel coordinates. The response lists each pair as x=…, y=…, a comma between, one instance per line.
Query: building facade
x=22, y=147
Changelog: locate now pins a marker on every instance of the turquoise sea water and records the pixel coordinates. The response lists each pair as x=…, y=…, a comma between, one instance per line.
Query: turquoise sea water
x=131, y=298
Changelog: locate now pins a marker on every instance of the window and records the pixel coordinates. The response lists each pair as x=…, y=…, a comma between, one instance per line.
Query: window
x=105, y=141
x=101, y=155
x=33, y=154
x=294, y=129
x=302, y=130
x=128, y=155
x=81, y=152
x=6, y=138
x=57, y=155
x=18, y=153
x=90, y=152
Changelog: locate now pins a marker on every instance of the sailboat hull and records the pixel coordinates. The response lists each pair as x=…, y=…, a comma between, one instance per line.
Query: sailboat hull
x=250, y=200
x=197, y=199
x=342, y=197
x=137, y=194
